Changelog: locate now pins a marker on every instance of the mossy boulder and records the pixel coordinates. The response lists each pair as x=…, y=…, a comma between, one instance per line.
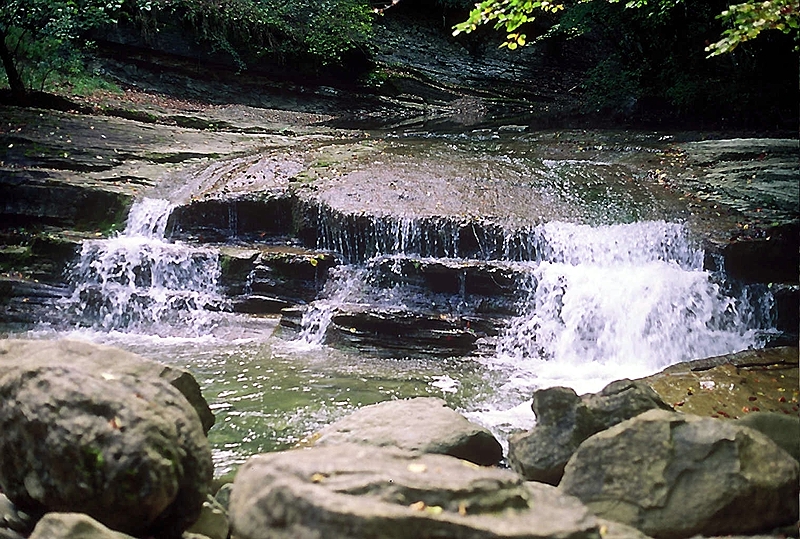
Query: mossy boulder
x=126, y=448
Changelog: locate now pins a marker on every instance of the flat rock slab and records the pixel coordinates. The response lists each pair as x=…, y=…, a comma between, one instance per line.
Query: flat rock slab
x=733, y=385
x=674, y=475
x=422, y=425
x=354, y=491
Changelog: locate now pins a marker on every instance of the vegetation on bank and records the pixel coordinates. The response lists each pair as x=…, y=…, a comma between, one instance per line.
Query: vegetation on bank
x=675, y=56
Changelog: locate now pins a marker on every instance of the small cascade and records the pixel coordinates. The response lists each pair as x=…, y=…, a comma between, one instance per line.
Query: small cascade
x=361, y=237
x=138, y=282
x=622, y=301
x=592, y=303
x=345, y=285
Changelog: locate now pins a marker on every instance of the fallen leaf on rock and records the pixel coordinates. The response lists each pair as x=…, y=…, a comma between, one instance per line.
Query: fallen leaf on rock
x=318, y=478
x=417, y=506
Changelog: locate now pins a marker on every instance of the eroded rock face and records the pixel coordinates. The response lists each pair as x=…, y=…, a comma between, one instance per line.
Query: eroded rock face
x=125, y=448
x=675, y=475
x=355, y=491
x=564, y=420
x=399, y=329
x=423, y=425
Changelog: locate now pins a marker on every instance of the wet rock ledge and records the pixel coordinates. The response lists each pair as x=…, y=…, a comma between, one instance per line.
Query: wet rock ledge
x=99, y=444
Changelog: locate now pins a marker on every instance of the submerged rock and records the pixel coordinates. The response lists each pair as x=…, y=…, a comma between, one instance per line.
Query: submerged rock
x=422, y=425
x=122, y=446
x=564, y=420
x=13, y=520
x=674, y=475
x=353, y=491
x=213, y=521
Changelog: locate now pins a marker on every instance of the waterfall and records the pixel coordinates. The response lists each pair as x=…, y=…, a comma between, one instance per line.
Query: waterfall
x=621, y=301
x=346, y=284
x=138, y=282
x=598, y=303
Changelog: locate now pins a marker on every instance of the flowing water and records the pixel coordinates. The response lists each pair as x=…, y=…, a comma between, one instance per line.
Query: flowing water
x=139, y=282
x=592, y=304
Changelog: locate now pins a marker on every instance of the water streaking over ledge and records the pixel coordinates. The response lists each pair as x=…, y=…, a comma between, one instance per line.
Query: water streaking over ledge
x=138, y=282
x=620, y=301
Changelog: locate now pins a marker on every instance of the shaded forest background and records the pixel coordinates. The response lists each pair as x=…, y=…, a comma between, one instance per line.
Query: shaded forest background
x=615, y=65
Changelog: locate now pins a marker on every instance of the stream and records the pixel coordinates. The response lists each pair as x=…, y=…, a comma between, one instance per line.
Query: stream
x=584, y=302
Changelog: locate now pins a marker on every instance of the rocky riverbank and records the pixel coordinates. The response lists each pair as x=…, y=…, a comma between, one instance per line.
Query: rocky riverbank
x=269, y=180
x=634, y=463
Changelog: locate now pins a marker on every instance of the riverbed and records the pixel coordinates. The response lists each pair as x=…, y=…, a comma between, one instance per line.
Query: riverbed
x=560, y=258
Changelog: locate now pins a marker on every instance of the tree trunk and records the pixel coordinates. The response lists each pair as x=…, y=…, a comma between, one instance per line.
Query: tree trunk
x=14, y=80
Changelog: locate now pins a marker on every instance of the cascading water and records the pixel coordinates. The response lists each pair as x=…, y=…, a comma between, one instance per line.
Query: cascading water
x=597, y=303
x=139, y=282
x=622, y=301
x=345, y=285
x=547, y=304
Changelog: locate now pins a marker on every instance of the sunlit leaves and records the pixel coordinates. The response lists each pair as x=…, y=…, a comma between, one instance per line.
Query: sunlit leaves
x=508, y=15
x=749, y=19
x=514, y=40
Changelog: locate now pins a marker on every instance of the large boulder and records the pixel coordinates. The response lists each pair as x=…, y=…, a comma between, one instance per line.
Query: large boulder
x=95, y=358
x=73, y=526
x=355, y=491
x=782, y=429
x=564, y=420
x=674, y=475
x=126, y=449
x=423, y=424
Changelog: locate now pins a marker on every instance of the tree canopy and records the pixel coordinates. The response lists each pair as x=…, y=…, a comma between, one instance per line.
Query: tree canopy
x=40, y=33
x=41, y=37
x=746, y=20
x=665, y=57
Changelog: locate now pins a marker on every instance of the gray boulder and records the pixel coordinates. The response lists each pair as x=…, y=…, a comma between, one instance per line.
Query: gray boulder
x=423, y=424
x=674, y=475
x=356, y=491
x=128, y=450
x=782, y=429
x=564, y=420
x=94, y=358
x=73, y=526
